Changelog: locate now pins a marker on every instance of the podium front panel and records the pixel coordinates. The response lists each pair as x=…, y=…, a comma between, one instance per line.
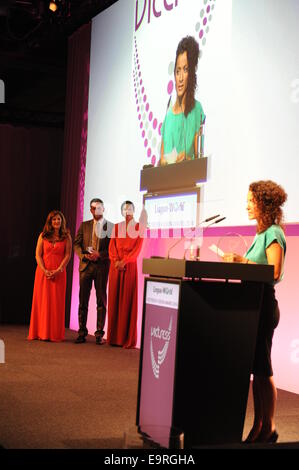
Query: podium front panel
x=158, y=353
x=197, y=350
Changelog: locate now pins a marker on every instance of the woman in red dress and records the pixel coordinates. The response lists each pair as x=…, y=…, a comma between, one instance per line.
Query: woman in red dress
x=124, y=248
x=53, y=252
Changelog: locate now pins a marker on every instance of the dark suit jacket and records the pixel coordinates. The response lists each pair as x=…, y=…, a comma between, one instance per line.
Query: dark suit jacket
x=83, y=240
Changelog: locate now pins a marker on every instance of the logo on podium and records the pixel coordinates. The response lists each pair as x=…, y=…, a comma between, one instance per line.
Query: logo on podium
x=161, y=335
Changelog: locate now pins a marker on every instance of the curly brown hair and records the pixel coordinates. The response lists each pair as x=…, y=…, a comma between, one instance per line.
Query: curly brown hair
x=48, y=230
x=269, y=197
x=190, y=45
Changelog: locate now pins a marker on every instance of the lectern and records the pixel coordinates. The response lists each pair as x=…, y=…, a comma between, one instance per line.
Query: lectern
x=199, y=331
x=176, y=176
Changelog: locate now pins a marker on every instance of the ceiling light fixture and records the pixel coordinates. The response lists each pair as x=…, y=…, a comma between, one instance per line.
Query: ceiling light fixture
x=52, y=6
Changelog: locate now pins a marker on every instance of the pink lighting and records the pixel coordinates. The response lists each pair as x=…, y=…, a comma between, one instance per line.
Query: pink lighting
x=285, y=351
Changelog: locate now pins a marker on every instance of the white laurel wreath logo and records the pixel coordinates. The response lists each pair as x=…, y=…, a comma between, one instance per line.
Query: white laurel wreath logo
x=161, y=354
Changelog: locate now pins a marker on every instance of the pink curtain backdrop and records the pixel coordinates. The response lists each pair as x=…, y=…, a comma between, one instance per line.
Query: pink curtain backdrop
x=75, y=142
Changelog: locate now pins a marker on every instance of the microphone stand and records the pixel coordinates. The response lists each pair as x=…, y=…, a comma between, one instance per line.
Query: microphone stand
x=183, y=128
x=167, y=108
x=201, y=139
x=183, y=238
x=195, y=250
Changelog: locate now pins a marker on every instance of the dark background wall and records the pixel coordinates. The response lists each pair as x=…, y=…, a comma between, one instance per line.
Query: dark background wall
x=33, y=66
x=31, y=160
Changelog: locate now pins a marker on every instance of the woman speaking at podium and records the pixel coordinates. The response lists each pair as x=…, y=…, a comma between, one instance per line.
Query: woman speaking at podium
x=183, y=122
x=264, y=202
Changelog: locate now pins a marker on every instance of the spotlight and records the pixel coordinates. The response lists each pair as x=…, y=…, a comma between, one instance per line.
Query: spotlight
x=52, y=6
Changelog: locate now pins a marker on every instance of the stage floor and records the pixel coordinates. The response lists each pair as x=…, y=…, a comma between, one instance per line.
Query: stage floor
x=83, y=396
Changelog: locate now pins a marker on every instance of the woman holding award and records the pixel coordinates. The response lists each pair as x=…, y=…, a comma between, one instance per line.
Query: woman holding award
x=183, y=121
x=53, y=252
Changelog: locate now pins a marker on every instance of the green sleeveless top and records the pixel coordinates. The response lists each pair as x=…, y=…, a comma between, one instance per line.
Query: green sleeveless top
x=178, y=132
x=257, y=251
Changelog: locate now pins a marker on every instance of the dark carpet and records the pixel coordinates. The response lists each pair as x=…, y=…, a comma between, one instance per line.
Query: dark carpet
x=84, y=396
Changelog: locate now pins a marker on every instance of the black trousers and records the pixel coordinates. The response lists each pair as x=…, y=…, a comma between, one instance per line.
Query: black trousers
x=98, y=273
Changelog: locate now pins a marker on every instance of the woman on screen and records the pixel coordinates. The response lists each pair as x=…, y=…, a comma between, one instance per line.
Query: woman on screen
x=183, y=121
x=124, y=248
x=264, y=202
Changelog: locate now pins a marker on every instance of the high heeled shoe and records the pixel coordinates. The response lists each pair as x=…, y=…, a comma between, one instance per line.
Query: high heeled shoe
x=273, y=437
x=249, y=439
x=270, y=439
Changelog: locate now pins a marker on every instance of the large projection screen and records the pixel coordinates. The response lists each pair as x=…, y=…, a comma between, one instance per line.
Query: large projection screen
x=247, y=85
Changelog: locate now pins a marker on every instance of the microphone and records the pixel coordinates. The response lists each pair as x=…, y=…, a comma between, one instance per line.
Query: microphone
x=216, y=221
x=201, y=139
x=168, y=104
x=220, y=220
x=211, y=218
x=202, y=222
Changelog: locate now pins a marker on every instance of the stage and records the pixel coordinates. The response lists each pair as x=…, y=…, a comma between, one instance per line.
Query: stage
x=83, y=396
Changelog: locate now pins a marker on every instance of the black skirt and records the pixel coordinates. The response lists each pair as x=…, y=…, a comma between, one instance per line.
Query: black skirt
x=269, y=319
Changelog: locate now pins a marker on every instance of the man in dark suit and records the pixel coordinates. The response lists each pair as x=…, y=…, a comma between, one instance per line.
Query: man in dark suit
x=91, y=245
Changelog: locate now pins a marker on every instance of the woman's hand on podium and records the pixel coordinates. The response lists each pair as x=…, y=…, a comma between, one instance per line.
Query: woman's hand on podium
x=181, y=157
x=234, y=258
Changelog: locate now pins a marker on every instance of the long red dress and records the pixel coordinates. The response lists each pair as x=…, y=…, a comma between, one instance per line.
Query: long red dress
x=48, y=303
x=123, y=288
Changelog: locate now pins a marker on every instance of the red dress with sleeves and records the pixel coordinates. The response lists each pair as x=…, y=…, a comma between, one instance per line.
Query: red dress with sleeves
x=122, y=296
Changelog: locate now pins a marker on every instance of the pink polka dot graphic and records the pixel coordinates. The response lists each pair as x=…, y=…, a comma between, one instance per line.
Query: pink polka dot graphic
x=170, y=87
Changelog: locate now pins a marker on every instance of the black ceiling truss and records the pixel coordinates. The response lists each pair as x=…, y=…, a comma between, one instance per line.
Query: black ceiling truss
x=33, y=56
